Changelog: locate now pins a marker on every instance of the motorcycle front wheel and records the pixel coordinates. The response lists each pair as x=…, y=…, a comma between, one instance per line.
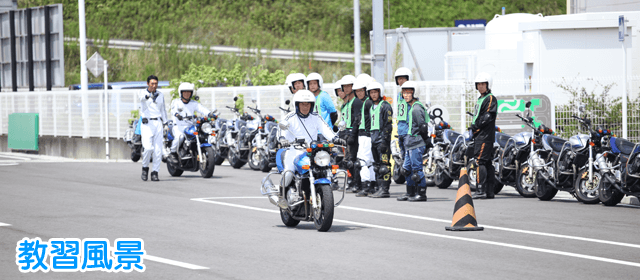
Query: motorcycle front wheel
x=609, y=195
x=586, y=192
x=323, y=217
x=206, y=169
x=397, y=174
x=234, y=160
x=255, y=160
x=525, y=185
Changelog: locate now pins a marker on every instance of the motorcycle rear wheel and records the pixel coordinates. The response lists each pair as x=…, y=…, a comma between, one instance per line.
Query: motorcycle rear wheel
x=135, y=156
x=209, y=165
x=323, y=219
x=174, y=170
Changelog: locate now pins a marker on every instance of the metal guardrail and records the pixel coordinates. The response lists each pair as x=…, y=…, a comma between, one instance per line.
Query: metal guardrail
x=274, y=53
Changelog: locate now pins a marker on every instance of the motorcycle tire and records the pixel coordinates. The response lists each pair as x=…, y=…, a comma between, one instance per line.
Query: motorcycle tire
x=173, y=170
x=254, y=160
x=264, y=166
x=544, y=191
x=234, y=160
x=581, y=187
x=523, y=186
x=471, y=172
x=210, y=155
x=608, y=194
x=397, y=174
x=497, y=187
x=135, y=157
x=324, y=219
x=218, y=160
x=442, y=180
x=287, y=220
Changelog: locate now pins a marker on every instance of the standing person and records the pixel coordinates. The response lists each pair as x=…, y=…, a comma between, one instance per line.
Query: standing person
x=418, y=118
x=381, y=128
x=365, y=157
x=154, y=115
x=351, y=115
x=324, y=105
x=402, y=75
x=483, y=129
x=181, y=108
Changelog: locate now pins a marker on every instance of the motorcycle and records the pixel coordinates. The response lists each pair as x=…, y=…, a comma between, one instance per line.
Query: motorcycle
x=228, y=143
x=259, y=149
x=511, y=165
x=195, y=153
x=623, y=178
x=133, y=141
x=309, y=196
x=573, y=169
x=434, y=159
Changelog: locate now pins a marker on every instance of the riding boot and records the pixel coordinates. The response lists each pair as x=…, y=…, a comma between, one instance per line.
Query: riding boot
x=145, y=173
x=357, y=187
x=421, y=195
x=410, y=192
x=366, y=190
x=480, y=192
x=154, y=176
x=383, y=191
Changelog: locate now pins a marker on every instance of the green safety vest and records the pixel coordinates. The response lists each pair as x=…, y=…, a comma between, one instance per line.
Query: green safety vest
x=362, y=122
x=478, y=106
x=346, y=112
x=316, y=107
x=410, y=117
x=375, y=121
x=402, y=109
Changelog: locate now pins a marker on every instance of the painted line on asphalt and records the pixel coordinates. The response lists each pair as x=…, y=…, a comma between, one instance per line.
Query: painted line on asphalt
x=631, y=245
x=501, y=244
x=8, y=163
x=175, y=263
x=497, y=228
x=14, y=157
x=4, y=225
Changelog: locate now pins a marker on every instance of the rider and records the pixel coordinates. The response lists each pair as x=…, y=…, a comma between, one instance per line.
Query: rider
x=418, y=120
x=305, y=124
x=381, y=128
x=483, y=129
x=324, y=105
x=181, y=108
x=365, y=157
x=351, y=115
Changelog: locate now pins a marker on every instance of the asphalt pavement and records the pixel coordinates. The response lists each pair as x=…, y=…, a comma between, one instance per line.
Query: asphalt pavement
x=221, y=228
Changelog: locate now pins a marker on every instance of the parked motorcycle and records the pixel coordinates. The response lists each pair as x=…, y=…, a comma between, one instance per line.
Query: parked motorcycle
x=434, y=160
x=133, y=141
x=309, y=196
x=259, y=149
x=398, y=161
x=572, y=171
x=195, y=153
x=624, y=177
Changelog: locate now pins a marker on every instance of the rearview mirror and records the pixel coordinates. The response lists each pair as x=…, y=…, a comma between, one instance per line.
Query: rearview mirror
x=235, y=98
x=582, y=108
x=287, y=102
x=428, y=103
x=528, y=105
x=342, y=125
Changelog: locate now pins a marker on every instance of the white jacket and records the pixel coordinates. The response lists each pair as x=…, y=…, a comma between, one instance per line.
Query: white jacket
x=150, y=109
x=307, y=128
x=187, y=110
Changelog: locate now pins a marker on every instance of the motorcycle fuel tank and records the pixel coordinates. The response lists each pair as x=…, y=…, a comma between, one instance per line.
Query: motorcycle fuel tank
x=189, y=132
x=300, y=161
x=578, y=142
x=522, y=138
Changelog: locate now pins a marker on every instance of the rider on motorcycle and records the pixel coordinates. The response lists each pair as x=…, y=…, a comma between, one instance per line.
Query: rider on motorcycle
x=303, y=123
x=181, y=108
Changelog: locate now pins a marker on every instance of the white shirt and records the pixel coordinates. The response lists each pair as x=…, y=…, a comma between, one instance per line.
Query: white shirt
x=150, y=109
x=187, y=110
x=307, y=128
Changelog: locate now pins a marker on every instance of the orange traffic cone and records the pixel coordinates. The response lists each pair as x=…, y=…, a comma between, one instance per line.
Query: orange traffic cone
x=464, y=215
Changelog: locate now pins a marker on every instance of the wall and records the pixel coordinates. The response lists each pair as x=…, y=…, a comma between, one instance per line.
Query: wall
x=77, y=147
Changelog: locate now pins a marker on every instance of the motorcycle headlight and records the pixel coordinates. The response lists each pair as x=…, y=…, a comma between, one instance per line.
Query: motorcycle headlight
x=322, y=158
x=207, y=128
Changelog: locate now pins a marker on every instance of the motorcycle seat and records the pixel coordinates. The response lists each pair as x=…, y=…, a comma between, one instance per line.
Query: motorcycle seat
x=623, y=146
x=502, y=138
x=452, y=135
x=555, y=142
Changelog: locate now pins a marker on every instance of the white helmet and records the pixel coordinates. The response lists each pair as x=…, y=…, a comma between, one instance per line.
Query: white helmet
x=314, y=76
x=287, y=82
x=359, y=84
x=337, y=85
x=347, y=80
x=375, y=85
x=297, y=77
x=186, y=87
x=365, y=78
x=301, y=96
x=403, y=71
x=484, y=77
x=411, y=85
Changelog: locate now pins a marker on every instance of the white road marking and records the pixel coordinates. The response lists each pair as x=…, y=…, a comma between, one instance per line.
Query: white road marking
x=4, y=155
x=4, y=225
x=508, y=245
x=172, y=262
x=8, y=163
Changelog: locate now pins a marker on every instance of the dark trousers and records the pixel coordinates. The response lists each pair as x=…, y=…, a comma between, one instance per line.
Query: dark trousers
x=381, y=156
x=485, y=175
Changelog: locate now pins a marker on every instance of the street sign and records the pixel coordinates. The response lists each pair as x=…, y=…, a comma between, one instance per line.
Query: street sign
x=95, y=64
x=621, y=28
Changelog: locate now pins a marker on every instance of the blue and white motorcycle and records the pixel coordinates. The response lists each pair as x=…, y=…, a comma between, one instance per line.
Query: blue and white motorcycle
x=308, y=197
x=195, y=153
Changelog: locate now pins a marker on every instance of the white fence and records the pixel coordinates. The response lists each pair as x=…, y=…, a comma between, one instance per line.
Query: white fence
x=61, y=111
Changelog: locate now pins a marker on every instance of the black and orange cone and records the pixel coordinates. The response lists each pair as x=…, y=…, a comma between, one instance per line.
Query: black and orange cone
x=464, y=215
